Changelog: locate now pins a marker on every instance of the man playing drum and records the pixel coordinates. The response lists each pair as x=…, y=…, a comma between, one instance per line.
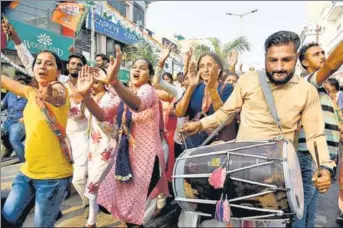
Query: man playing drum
x=295, y=100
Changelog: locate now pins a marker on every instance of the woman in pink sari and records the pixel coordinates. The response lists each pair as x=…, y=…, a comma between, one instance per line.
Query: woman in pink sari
x=131, y=188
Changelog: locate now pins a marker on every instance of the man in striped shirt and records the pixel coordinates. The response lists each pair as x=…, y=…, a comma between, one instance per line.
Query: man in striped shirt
x=312, y=58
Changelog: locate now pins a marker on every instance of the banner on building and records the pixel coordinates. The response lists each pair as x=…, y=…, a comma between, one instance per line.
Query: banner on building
x=37, y=39
x=113, y=30
x=70, y=15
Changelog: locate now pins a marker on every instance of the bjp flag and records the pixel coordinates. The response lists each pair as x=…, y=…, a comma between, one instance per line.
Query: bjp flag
x=13, y=4
x=70, y=15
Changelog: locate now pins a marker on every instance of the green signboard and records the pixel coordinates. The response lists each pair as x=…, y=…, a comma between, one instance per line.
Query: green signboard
x=37, y=39
x=124, y=75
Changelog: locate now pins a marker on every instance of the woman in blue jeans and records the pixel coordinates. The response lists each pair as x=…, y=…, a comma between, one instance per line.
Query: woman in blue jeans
x=46, y=174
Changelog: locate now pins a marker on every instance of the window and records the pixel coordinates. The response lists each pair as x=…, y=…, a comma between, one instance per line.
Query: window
x=109, y=47
x=138, y=15
x=118, y=5
x=36, y=13
x=83, y=41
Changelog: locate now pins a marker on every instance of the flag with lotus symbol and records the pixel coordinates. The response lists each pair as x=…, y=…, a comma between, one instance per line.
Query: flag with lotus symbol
x=70, y=15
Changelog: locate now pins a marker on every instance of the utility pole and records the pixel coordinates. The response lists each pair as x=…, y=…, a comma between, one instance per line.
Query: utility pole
x=241, y=17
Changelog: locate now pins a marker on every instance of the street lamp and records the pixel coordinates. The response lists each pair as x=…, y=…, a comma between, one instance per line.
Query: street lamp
x=241, y=16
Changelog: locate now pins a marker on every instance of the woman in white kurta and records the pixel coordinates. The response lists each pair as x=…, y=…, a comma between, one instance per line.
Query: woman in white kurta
x=102, y=142
x=77, y=133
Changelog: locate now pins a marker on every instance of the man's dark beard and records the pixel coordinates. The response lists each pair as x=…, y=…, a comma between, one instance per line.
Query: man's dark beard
x=279, y=82
x=74, y=75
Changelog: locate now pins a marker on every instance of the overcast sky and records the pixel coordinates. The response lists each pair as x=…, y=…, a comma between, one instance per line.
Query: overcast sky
x=202, y=19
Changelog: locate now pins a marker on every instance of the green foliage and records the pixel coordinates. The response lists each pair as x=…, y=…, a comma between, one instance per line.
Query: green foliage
x=241, y=44
x=141, y=50
x=199, y=50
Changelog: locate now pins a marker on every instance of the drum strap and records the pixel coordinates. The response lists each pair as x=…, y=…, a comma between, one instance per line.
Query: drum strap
x=269, y=98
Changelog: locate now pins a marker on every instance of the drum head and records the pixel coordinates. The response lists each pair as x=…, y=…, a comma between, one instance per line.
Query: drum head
x=293, y=180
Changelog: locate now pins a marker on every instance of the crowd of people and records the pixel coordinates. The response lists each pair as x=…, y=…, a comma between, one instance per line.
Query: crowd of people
x=117, y=143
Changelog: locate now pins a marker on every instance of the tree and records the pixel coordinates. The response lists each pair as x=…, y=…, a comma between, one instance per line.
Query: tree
x=141, y=50
x=241, y=44
x=199, y=50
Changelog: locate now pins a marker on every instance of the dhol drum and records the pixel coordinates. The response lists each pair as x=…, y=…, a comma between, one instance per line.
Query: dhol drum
x=263, y=180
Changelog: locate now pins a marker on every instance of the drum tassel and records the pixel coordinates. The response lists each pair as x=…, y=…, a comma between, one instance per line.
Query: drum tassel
x=217, y=178
x=223, y=211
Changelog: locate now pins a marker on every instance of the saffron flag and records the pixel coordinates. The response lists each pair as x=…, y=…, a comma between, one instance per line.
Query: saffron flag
x=70, y=15
x=13, y=4
x=67, y=32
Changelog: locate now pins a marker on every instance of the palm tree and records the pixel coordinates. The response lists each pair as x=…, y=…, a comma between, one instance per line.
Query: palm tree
x=241, y=44
x=199, y=50
x=141, y=50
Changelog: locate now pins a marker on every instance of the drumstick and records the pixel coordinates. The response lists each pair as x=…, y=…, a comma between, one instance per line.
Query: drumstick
x=184, y=140
x=317, y=156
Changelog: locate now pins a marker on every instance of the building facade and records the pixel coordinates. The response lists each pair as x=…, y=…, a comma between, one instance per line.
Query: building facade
x=116, y=22
x=325, y=26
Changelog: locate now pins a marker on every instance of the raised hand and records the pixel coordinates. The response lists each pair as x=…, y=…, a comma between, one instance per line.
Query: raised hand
x=166, y=49
x=114, y=66
x=194, y=77
x=99, y=74
x=232, y=57
x=187, y=59
x=213, y=81
x=189, y=53
x=8, y=29
x=85, y=80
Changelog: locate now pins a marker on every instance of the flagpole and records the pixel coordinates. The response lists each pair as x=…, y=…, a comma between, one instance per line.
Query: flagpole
x=93, y=47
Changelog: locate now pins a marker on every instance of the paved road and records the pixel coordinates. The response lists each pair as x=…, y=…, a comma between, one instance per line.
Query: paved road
x=73, y=211
x=326, y=214
x=328, y=208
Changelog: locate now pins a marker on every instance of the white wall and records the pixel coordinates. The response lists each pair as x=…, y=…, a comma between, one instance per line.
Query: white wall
x=100, y=43
x=331, y=26
x=332, y=29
